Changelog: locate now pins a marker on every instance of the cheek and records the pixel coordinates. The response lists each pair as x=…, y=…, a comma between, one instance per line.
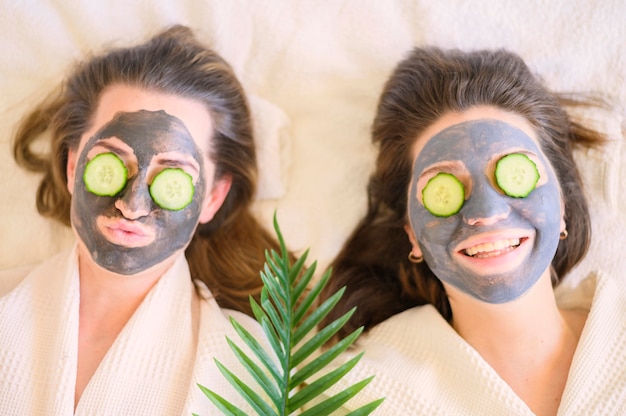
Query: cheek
x=542, y=206
x=179, y=219
x=185, y=219
x=84, y=198
x=431, y=231
x=175, y=229
x=87, y=206
x=438, y=232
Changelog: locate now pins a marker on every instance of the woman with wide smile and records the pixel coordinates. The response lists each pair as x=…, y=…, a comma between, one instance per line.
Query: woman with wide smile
x=476, y=213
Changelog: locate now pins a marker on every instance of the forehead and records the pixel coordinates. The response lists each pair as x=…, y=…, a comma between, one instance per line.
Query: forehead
x=474, y=139
x=123, y=98
x=147, y=132
x=473, y=114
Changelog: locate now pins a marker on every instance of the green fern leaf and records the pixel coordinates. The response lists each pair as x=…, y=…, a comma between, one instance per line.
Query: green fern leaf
x=292, y=376
x=251, y=396
x=258, y=350
x=225, y=406
x=324, y=359
x=335, y=402
x=366, y=409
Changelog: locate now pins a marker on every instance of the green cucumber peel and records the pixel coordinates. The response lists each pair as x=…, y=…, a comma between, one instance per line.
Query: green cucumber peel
x=172, y=189
x=443, y=195
x=517, y=175
x=105, y=175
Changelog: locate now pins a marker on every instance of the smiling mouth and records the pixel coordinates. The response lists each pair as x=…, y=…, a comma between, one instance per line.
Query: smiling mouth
x=493, y=249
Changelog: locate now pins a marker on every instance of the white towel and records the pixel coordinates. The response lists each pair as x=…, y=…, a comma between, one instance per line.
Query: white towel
x=166, y=348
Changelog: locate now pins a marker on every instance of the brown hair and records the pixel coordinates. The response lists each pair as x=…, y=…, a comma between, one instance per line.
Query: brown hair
x=228, y=252
x=430, y=82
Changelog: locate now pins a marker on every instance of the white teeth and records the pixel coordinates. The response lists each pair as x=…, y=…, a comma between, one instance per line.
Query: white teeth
x=492, y=249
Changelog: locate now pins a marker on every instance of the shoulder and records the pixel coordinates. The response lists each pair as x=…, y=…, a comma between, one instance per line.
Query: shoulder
x=421, y=366
x=401, y=353
x=10, y=278
x=215, y=331
x=32, y=293
x=595, y=289
x=243, y=319
x=219, y=321
x=405, y=329
x=599, y=364
x=246, y=322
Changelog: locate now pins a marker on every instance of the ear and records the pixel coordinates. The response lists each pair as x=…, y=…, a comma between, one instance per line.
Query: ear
x=215, y=198
x=417, y=252
x=70, y=170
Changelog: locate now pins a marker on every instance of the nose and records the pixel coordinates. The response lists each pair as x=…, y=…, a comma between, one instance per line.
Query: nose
x=485, y=206
x=135, y=201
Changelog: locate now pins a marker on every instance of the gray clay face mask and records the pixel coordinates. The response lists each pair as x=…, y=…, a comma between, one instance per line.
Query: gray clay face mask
x=496, y=247
x=131, y=245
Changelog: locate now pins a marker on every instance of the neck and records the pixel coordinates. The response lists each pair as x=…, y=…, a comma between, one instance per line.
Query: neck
x=101, y=289
x=529, y=342
x=530, y=318
x=107, y=302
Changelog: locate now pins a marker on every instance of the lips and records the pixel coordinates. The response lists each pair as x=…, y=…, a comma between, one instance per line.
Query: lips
x=124, y=232
x=495, y=252
x=491, y=249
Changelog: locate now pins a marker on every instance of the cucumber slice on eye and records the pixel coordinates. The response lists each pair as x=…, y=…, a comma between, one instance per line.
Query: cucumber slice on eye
x=105, y=175
x=516, y=175
x=443, y=195
x=172, y=189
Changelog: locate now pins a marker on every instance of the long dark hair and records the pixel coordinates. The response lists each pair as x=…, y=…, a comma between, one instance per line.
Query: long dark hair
x=226, y=253
x=427, y=84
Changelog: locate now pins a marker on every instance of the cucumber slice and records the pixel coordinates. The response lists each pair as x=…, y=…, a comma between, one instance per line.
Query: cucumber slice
x=172, y=189
x=443, y=195
x=105, y=175
x=516, y=175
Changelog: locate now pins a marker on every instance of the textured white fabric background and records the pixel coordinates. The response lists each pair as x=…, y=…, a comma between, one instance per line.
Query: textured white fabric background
x=314, y=71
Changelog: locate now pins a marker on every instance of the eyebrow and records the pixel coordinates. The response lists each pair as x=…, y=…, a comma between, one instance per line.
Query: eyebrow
x=448, y=165
x=523, y=151
x=178, y=163
x=520, y=150
x=113, y=148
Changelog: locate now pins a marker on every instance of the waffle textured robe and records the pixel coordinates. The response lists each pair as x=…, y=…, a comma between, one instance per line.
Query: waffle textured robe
x=153, y=367
x=423, y=367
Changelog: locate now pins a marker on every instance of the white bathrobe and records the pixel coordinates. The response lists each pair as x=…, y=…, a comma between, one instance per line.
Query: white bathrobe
x=423, y=367
x=153, y=368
